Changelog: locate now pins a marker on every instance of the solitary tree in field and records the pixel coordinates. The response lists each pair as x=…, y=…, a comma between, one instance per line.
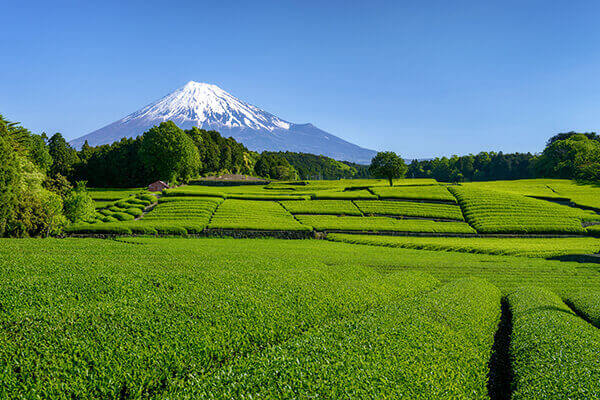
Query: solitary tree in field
x=168, y=153
x=388, y=164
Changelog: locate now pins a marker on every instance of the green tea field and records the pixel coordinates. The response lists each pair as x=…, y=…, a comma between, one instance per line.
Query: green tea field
x=411, y=207
x=272, y=318
x=319, y=290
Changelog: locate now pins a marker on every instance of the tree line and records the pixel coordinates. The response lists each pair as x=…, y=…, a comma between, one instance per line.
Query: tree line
x=35, y=199
x=166, y=152
x=569, y=155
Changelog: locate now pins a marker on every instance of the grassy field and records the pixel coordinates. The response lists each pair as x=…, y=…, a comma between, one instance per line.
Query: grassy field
x=222, y=318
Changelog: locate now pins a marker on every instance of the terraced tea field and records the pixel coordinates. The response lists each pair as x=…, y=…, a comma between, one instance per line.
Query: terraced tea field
x=270, y=318
x=498, y=212
x=527, y=207
x=554, y=352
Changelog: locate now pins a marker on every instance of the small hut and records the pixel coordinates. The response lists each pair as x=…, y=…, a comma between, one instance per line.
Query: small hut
x=157, y=186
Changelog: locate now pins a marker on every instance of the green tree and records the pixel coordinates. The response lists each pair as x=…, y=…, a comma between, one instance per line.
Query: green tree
x=168, y=153
x=576, y=157
x=38, y=152
x=78, y=204
x=64, y=157
x=58, y=184
x=274, y=166
x=388, y=165
x=9, y=179
x=86, y=152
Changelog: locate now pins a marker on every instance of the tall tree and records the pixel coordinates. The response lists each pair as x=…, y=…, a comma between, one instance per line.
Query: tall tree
x=168, y=153
x=64, y=157
x=388, y=165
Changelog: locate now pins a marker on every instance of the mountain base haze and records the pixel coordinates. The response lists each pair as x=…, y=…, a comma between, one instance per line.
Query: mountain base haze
x=209, y=107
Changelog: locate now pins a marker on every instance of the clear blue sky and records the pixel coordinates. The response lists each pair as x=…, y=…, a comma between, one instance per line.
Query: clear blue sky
x=422, y=78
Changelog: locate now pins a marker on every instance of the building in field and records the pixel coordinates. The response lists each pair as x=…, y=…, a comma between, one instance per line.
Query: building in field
x=157, y=186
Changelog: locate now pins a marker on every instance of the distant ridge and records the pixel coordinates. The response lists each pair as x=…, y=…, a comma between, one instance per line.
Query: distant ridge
x=210, y=107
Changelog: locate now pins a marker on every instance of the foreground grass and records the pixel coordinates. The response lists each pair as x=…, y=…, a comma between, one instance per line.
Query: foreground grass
x=143, y=317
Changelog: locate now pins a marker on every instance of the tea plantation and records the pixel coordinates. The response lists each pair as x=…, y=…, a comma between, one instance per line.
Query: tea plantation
x=483, y=290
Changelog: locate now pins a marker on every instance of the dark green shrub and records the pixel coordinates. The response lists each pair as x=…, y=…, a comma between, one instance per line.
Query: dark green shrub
x=78, y=204
x=98, y=229
x=593, y=230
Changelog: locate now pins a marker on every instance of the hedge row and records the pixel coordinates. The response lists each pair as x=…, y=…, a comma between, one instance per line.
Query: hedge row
x=336, y=207
x=382, y=224
x=528, y=247
x=433, y=192
x=554, y=353
x=410, y=209
x=587, y=304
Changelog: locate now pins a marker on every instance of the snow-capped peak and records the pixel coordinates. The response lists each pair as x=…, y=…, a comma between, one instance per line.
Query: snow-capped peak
x=208, y=106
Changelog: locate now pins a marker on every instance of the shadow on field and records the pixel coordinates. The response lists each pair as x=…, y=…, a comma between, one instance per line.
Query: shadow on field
x=501, y=374
x=580, y=314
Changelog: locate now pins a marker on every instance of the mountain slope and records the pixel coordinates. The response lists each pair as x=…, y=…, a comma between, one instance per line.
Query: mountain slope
x=210, y=107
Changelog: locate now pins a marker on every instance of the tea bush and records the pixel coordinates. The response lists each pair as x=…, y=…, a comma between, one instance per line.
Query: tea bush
x=410, y=209
x=336, y=207
x=376, y=224
x=554, y=353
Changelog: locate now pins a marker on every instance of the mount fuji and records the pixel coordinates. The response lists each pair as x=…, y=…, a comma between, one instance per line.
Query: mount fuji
x=209, y=107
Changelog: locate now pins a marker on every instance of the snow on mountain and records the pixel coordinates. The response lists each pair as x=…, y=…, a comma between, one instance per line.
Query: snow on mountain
x=210, y=107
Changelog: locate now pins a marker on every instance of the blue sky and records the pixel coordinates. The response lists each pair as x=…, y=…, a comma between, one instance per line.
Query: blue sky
x=423, y=79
